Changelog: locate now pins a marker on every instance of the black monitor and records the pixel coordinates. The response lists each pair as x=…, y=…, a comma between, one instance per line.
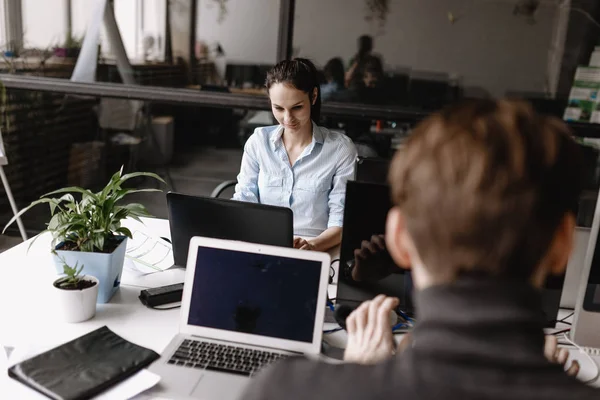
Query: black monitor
x=191, y=216
x=239, y=75
x=365, y=214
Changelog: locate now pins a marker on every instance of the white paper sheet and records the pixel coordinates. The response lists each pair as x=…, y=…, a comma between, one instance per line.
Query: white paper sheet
x=147, y=252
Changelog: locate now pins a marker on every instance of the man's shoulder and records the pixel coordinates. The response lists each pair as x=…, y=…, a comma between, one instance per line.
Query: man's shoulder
x=299, y=378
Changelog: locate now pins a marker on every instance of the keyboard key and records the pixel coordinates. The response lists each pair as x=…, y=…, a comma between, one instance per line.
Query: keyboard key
x=221, y=357
x=232, y=371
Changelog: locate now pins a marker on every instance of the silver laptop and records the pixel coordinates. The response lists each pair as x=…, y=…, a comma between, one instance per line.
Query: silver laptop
x=244, y=307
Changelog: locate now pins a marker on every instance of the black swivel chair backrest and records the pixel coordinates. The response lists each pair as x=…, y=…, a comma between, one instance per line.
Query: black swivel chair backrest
x=372, y=170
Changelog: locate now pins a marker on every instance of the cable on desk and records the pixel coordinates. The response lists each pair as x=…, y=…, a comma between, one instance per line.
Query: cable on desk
x=565, y=331
x=330, y=304
x=332, y=270
x=563, y=320
x=333, y=330
x=587, y=352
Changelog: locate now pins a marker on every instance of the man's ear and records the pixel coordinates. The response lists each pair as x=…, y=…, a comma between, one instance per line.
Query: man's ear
x=397, y=237
x=562, y=245
x=314, y=96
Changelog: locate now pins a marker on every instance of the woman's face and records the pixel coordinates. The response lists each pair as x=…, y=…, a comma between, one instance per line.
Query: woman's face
x=290, y=106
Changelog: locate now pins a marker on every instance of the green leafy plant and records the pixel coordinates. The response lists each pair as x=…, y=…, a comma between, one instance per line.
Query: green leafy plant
x=72, y=276
x=93, y=223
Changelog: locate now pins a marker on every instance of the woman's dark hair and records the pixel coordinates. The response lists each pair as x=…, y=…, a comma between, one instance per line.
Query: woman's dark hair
x=334, y=71
x=301, y=74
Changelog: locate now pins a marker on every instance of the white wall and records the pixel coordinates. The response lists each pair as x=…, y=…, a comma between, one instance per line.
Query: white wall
x=155, y=25
x=81, y=12
x=44, y=23
x=248, y=33
x=487, y=46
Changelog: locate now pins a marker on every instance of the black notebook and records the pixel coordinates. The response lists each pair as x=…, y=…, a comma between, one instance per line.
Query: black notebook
x=84, y=367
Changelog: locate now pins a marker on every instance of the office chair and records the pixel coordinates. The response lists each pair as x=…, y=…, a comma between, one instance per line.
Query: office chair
x=222, y=187
x=372, y=170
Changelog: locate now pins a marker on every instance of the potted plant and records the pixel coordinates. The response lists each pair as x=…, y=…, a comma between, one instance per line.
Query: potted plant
x=70, y=48
x=75, y=294
x=88, y=230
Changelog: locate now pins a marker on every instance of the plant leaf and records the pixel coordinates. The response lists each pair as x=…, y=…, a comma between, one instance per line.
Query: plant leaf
x=136, y=174
x=36, y=238
x=136, y=208
x=99, y=242
x=73, y=189
x=125, y=192
x=125, y=232
x=23, y=211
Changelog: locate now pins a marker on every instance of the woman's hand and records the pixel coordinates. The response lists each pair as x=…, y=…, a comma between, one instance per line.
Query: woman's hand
x=557, y=355
x=370, y=338
x=303, y=244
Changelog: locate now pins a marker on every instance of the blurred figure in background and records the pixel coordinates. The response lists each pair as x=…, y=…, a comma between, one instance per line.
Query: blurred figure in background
x=334, y=75
x=370, y=89
x=355, y=71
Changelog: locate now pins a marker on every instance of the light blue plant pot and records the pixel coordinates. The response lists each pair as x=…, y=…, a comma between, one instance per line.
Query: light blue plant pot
x=104, y=266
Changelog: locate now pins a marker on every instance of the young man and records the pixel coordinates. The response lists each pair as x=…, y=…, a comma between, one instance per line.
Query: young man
x=485, y=195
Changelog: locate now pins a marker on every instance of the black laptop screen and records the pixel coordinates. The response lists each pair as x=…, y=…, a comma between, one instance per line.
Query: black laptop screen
x=255, y=293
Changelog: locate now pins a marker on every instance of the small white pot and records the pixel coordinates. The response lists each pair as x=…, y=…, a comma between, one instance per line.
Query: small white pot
x=76, y=305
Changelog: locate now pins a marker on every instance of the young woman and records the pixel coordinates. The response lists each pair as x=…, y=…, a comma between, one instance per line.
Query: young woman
x=298, y=164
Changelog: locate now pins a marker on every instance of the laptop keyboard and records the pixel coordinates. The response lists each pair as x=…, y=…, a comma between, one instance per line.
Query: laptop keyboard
x=220, y=357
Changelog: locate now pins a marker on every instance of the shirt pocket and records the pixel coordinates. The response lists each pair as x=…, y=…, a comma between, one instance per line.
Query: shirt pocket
x=314, y=186
x=270, y=189
x=311, y=197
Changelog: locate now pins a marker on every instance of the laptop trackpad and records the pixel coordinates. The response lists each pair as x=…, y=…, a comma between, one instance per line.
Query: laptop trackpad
x=219, y=385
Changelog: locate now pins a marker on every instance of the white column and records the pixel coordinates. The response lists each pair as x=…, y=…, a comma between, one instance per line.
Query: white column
x=13, y=22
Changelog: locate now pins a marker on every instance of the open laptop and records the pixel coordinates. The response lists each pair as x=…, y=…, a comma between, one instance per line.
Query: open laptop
x=191, y=216
x=365, y=214
x=244, y=306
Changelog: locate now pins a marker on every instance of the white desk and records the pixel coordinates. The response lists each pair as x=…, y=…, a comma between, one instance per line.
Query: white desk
x=26, y=312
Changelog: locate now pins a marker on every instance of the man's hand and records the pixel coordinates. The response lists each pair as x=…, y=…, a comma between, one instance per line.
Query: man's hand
x=372, y=261
x=303, y=244
x=559, y=355
x=370, y=338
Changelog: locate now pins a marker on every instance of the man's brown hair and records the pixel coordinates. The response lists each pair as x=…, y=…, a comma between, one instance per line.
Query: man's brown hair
x=483, y=186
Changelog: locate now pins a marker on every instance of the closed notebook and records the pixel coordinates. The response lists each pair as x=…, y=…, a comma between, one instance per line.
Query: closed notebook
x=84, y=367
